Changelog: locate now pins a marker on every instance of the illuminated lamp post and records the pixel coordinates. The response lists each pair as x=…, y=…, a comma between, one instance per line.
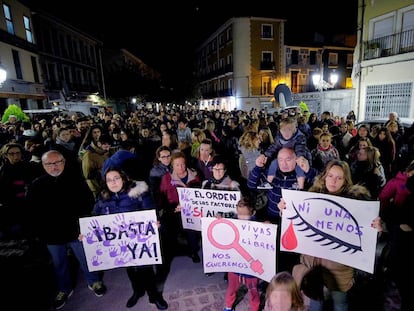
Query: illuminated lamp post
x=321, y=85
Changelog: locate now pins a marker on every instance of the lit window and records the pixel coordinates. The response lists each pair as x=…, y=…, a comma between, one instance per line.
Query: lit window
x=28, y=29
x=9, y=21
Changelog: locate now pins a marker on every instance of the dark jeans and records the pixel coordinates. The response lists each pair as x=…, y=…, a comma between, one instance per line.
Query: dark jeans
x=60, y=260
x=143, y=280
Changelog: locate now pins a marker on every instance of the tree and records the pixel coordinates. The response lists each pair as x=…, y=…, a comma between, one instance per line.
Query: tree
x=16, y=111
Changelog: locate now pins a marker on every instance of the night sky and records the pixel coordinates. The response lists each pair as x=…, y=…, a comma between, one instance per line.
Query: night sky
x=155, y=27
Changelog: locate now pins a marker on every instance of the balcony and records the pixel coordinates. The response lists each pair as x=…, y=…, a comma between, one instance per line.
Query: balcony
x=266, y=65
x=398, y=43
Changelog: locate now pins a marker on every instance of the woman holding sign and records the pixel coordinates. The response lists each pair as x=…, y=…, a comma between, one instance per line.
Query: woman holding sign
x=121, y=195
x=338, y=278
x=220, y=181
x=180, y=176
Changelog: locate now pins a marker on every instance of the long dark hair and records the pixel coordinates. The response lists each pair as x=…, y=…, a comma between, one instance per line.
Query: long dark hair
x=127, y=183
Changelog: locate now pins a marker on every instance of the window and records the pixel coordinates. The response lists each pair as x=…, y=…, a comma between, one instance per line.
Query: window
x=333, y=59
x=295, y=57
x=349, y=60
x=221, y=40
x=221, y=63
x=229, y=59
x=35, y=70
x=9, y=21
x=267, y=57
x=266, y=86
x=381, y=27
x=267, y=31
x=229, y=34
x=17, y=65
x=407, y=25
x=28, y=29
x=312, y=58
x=381, y=99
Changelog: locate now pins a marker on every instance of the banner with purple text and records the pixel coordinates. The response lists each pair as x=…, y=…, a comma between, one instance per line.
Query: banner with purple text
x=121, y=240
x=196, y=203
x=240, y=246
x=330, y=227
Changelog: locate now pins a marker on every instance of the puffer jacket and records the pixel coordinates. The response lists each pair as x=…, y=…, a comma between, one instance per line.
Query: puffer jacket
x=136, y=199
x=395, y=191
x=297, y=143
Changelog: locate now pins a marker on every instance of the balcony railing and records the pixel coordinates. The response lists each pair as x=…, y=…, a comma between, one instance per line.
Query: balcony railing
x=266, y=65
x=398, y=43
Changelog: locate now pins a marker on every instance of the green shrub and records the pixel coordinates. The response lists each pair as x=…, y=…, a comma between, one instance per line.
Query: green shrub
x=14, y=110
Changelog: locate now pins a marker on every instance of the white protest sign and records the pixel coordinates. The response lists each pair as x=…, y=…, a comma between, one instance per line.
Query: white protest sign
x=330, y=227
x=240, y=246
x=196, y=203
x=121, y=240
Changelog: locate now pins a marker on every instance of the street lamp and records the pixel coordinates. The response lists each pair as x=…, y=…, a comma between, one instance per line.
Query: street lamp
x=3, y=74
x=320, y=84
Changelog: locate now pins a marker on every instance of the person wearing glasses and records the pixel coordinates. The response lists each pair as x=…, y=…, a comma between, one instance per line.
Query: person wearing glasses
x=161, y=166
x=220, y=181
x=122, y=194
x=62, y=197
x=16, y=173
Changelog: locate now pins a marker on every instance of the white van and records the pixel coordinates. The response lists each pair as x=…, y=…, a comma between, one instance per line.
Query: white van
x=87, y=108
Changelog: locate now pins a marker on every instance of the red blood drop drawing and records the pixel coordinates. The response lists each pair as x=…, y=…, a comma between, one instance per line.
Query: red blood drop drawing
x=289, y=240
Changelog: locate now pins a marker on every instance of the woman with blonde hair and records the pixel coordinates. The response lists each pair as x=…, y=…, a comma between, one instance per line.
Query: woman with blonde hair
x=197, y=136
x=336, y=277
x=249, y=146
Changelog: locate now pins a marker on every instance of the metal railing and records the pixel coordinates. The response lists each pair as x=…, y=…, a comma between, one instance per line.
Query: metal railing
x=398, y=43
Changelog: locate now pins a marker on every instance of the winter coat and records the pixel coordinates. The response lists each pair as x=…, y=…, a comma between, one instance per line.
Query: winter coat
x=297, y=143
x=168, y=188
x=395, y=191
x=225, y=184
x=155, y=176
x=136, y=199
x=56, y=204
x=247, y=160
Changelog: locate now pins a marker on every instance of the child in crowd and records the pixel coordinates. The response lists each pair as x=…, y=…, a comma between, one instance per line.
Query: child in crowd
x=290, y=137
x=283, y=294
x=324, y=152
x=245, y=211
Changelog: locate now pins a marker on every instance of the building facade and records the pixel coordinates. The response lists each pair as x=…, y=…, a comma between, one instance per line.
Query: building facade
x=240, y=65
x=19, y=57
x=70, y=60
x=384, y=58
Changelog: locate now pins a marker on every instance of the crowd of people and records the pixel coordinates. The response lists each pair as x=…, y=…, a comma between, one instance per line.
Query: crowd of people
x=55, y=171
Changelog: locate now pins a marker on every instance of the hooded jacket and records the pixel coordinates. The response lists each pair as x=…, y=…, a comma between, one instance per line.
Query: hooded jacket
x=135, y=199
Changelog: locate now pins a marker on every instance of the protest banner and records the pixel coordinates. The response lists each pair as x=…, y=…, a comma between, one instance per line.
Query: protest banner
x=330, y=227
x=240, y=246
x=196, y=203
x=121, y=240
